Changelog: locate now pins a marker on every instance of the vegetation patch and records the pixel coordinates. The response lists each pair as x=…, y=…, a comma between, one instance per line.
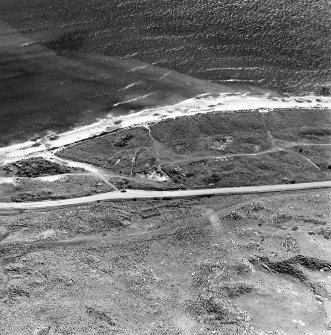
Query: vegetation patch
x=69, y=186
x=215, y=286
x=216, y=133
x=291, y=266
x=34, y=167
x=319, y=155
x=270, y=168
x=214, y=150
x=122, y=151
x=309, y=126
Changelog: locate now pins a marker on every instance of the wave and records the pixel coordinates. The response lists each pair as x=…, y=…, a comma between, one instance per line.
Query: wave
x=45, y=91
x=204, y=103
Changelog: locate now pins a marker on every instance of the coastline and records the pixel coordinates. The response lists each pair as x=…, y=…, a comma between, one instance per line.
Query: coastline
x=201, y=104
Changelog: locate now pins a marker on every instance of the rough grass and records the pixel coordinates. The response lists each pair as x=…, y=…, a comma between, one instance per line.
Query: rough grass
x=320, y=155
x=34, y=167
x=106, y=150
x=309, y=126
x=132, y=150
x=116, y=268
x=187, y=149
x=67, y=187
x=240, y=132
x=271, y=168
x=211, y=134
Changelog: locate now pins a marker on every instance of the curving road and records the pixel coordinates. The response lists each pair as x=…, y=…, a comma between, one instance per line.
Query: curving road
x=140, y=194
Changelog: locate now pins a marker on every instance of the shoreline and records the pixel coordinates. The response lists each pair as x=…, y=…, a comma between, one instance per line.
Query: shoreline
x=201, y=104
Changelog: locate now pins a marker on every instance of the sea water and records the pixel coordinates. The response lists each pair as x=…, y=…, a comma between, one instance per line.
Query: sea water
x=66, y=63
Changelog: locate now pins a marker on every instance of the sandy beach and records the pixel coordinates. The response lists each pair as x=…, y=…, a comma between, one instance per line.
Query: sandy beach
x=205, y=103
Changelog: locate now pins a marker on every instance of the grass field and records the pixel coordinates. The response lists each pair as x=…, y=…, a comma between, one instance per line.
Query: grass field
x=214, y=150
x=270, y=168
x=34, y=167
x=117, y=152
x=212, y=134
x=308, y=126
x=320, y=155
x=203, y=135
x=68, y=186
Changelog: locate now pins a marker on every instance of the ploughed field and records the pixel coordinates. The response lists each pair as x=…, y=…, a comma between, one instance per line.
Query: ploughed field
x=248, y=264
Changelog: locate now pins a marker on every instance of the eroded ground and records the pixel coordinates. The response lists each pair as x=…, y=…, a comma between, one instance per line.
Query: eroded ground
x=215, y=265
